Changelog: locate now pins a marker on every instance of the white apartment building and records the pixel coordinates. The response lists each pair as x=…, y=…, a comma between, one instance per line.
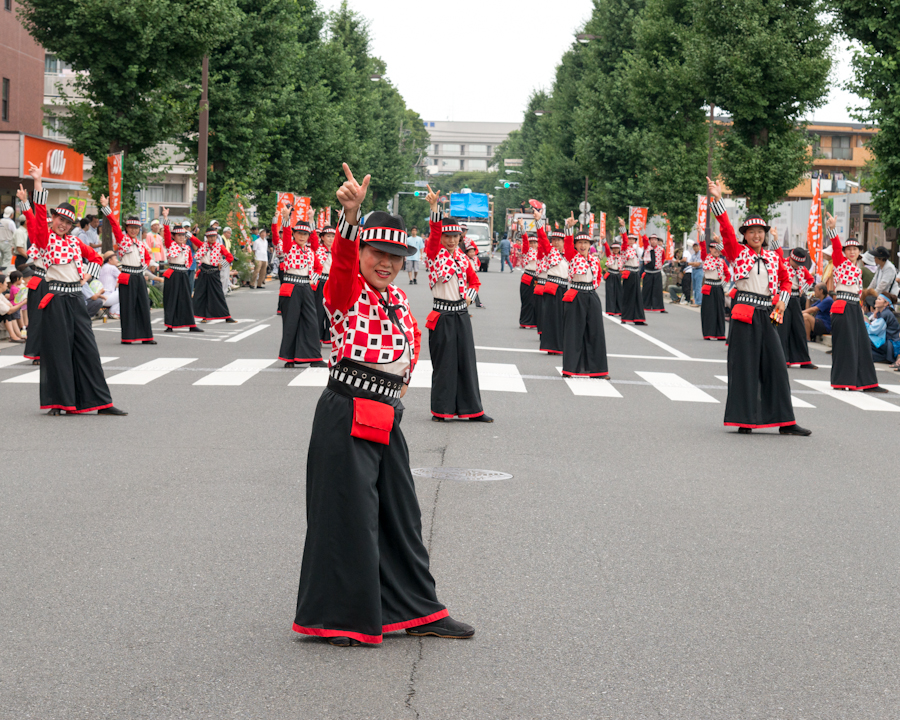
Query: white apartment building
x=466, y=146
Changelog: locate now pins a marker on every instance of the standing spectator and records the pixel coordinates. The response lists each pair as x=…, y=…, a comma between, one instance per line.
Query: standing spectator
x=504, y=253
x=154, y=241
x=7, y=237
x=412, y=262
x=261, y=256
x=884, y=280
x=817, y=317
x=90, y=235
x=20, y=243
x=694, y=267
x=7, y=310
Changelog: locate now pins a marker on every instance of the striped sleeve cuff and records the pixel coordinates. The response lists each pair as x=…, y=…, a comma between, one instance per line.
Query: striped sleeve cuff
x=570, y=231
x=471, y=293
x=785, y=296
x=24, y=206
x=346, y=230
x=165, y=221
x=92, y=269
x=39, y=197
x=830, y=233
x=285, y=222
x=539, y=224
x=106, y=210
x=718, y=208
x=437, y=216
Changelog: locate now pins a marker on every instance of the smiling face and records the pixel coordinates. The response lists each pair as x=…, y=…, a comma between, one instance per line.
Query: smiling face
x=132, y=231
x=755, y=237
x=450, y=241
x=61, y=225
x=378, y=267
x=582, y=247
x=852, y=253
x=558, y=243
x=880, y=304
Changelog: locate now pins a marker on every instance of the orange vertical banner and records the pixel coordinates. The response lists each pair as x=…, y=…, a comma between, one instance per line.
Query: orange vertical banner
x=114, y=172
x=637, y=220
x=302, y=209
x=814, y=229
x=701, y=216
x=242, y=220
x=670, y=241
x=603, y=226
x=285, y=199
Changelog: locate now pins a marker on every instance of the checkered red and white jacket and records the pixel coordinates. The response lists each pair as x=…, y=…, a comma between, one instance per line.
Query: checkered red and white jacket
x=802, y=277
x=845, y=272
x=653, y=256
x=216, y=250
x=714, y=264
x=743, y=259
x=444, y=267
x=124, y=241
x=614, y=261
x=173, y=249
x=299, y=258
x=361, y=326
x=548, y=256
x=578, y=263
x=630, y=250
x=529, y=252
x=58, y=249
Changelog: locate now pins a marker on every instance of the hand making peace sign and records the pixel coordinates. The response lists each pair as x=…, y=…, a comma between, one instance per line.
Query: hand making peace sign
x=351, y=194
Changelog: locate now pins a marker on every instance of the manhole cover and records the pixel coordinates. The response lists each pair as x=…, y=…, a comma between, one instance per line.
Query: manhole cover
x=460, y=474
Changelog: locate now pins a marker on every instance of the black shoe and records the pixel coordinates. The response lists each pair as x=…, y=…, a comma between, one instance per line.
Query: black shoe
x=289, y=364
x=54, y=411
x=194, y=328
x=319, y=363
x=877, y=389
x=744, y=431
x=444, y=628
x=435, y=418
x=168, y=330
x=794, y=430
x=809, y=367
x=148, y=342
x=343, y=642
x=36, y=362
x=230, y=320
x=482, y=418
x=111, y=411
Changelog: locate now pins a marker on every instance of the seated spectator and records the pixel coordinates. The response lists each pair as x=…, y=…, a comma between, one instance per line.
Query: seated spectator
x=817, y=316
x=7, y=309
x=93, y=296
x=18, y=294
x=884, y=330
x=109, y=278
x=885, y=278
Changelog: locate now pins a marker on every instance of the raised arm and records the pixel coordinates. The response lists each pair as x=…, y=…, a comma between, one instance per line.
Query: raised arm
x=113, y=223
x=569, y=240
x=37, y=230
x=344, y=285
x=314, y=242
x=730, y=246
x=433, y=244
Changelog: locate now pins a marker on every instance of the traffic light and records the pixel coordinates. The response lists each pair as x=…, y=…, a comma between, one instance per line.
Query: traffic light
x=416, y=193
x=506, y=185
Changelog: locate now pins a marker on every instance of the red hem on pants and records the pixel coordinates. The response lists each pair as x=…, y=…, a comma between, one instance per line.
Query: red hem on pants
x=300, y=360
x=554, y=352
x=853, y=387
x=469, y=417
x=415, y=623
x=614, y=314
x=32, y=357
x=716, y=337
x=801, y=364
x=224, y=317
x=73, y=410
x=528, y=327
x=634, y=322
x=464, y=417
x=566, y=373
x=126, y=342
x=319, y=632
x=754, y=427
x=654, y=310
x=179, y=327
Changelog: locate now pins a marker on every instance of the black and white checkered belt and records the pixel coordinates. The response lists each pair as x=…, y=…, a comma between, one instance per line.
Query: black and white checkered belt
x=64, y=287
x=538, y=280
x=530, y=272
x=205, y=267
x=561, y=281
x=176, y=266
x=39, y=271
x=355, y=377
x=848, y=296
x=632, y=268
x=297, y=279
x=713, y=283
x=612, y=271
x=654, y=272
x=448, y=306
x=749, y=298
x=581, y=287
x=795, y=293
x=131, y=270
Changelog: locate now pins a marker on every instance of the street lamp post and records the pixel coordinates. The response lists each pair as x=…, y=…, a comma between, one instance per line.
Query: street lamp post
x=203, y=150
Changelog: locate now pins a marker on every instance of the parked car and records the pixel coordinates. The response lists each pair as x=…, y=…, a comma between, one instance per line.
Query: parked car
x=481, y=234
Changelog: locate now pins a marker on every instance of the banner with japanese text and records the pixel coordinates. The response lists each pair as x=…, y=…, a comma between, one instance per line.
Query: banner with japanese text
x=814, y=228
x=592, y=224
x=670, y=241
x=637, y=220
x=302, y=209
x=701, y=216
x=323, y=218
x=114, y=172
x=80, y=205
x=603, y=227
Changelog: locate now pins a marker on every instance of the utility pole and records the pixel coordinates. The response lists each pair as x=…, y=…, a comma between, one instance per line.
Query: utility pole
x=709, y=154
x=203, y=150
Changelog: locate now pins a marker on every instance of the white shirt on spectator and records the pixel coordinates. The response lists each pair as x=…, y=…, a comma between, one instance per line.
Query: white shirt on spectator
x=260, y=249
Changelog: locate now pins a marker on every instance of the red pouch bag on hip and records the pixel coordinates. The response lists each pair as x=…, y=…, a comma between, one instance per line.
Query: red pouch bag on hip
x=372, y=420
x=743, y=312
x=707, y=289
x=732, y=293
x=432, y=320
x=550, y=288
x=124, y=278
x=286, y=289
x=526, y=278
x=538, y=290
x=625, y=274
x=34, y=281
x=570, y=295
x=838, y=307
x=45, y=300
x=168, y=273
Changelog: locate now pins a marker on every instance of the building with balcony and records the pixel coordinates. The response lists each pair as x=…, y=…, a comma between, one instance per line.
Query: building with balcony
x=839, y=153
x=463, y=146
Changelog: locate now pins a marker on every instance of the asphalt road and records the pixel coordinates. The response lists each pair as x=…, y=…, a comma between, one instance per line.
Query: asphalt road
x=643, y=561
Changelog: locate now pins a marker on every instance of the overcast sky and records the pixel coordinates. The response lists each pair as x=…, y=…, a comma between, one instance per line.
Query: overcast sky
x=493, y=77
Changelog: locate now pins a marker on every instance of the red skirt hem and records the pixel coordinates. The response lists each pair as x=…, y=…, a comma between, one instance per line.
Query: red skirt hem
x=566, y=373
x=853, y=387
x=73, y=410
x=756, y=427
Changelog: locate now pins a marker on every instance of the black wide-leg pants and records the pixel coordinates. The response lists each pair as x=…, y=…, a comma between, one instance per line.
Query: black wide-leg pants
x=134, y=301
x=652, y=292
x=209, y=297
x=554, y=319
x=454, y=383
x=632, y=305
x=178, y=308
x=365, y=568
x=300, y=334
x=712, y=314
x=35, y=321
x=538, y=300
x=584, y=345
x=852, y=365
x=793, y=334
x=324, y=322
x=71, y=374
x=613, y=284
x=759, y=391
x=526, y=297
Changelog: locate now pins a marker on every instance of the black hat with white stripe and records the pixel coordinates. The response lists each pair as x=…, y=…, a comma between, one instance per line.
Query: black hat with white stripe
x=450, y=226
x=387, y=233
x=65, y=210
x=754, y=221
x=302, y=226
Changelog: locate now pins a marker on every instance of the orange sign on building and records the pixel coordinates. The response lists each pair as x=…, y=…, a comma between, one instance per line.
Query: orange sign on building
x=60, y=161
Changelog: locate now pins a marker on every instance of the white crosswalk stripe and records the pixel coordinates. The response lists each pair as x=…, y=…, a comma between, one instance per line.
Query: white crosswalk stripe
x=500, y=377
x=311, y=377
x=235, y=373
x=149, y=371
x=795, y=401
x=7, y=360
x=591, y=387
x=861, y=400
x=34, y=377
x=676, y=388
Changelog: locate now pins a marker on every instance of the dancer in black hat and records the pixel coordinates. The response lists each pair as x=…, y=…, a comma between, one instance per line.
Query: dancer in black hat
x=759, y=392
x=178, y=308
x=793, y=330
x=852, y=366
x=527, y=317
x=632, y=302
x=652, y=288
x=209, y=296
x=134, y=257
x=615, y=261
x=712, y=310
x=72, y=379
x=300, y=337
x=37, y=288
x=365, y=568
x=321, y=246
x=454, y=284
x=552, y=260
